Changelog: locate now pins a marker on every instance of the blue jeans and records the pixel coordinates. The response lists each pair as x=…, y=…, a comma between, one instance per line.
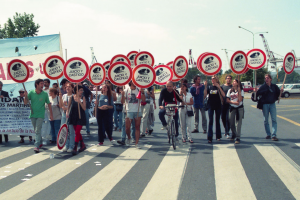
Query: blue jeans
x=162, y=118
x=116, y=118
x=225, y=117
x=211, y=123
x=71, y=136
x=123, y=135
x=55, y=126
x=270, y=108
x=87, y=116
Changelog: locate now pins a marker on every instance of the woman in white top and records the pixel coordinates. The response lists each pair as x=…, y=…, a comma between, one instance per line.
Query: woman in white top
x=185, y=120
x=235, y=97
x=55, y=124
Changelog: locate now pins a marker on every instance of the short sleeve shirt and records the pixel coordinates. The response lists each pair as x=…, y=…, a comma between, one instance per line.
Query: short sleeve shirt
x=187, y=99
x=214, y=100
x=38, y=103
x=233, y=96
x=104, y=100
x=130, y=100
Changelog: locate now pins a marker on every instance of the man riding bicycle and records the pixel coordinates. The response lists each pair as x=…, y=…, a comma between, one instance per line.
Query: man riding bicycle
x=168, y=96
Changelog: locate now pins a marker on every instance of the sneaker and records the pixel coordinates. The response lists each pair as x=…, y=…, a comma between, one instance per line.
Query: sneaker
x=150, y=131
x=100, y=144
x=82, y=149
x=121, y=142
x=36, y=150
x=164, y=127
x=128, y=142
x=274, y=139
x=111, y=141
x=64, y=149
x=69, y=150
x=268, y=137
x=142, y=135
x=228, y=136
x=40, y=145
x=88, y=133
x=232, y=138
x=133, y=140
x=237, y=141
x=195, y=131
x=137, y=146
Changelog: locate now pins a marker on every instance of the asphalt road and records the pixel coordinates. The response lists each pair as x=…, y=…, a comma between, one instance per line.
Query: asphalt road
x=254, y=169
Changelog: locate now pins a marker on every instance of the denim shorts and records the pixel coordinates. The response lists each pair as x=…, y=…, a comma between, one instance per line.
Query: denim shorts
x=133, y=115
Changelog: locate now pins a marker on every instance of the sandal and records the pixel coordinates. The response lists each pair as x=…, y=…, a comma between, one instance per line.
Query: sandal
x=183, y=140
x=191, y=141
x=209, y=141
x=21, y=141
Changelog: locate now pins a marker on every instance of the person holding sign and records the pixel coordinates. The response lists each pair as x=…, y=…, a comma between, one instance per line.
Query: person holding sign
x=269, y=95
x=235, y=97
x=38, y=98
x=55, y=123
x=74, y=119
x=214, y=106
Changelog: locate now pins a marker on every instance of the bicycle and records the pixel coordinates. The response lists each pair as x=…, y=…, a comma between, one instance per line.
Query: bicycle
x=170, y=112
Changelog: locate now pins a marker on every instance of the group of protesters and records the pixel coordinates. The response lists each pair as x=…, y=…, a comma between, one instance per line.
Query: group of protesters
x=130, y=110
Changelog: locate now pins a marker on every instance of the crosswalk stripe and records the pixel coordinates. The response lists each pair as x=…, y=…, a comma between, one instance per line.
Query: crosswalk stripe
x=230, y=177
x=298, y=144
x=166, y=181
x=288, y=173
x=22, y=164
x=51, y=175
x=13, y=151
x=102, y=183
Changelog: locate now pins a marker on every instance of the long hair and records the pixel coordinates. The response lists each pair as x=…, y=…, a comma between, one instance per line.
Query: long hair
x=109, y=93
x=75, y=88
x=216, y=78
x=239, y=83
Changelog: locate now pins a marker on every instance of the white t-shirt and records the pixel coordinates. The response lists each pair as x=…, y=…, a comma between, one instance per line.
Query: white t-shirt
x=66, y=100
x=119, y=96
x=55, y=108
x=187, y=99
x=132, y=103
x=233, y=96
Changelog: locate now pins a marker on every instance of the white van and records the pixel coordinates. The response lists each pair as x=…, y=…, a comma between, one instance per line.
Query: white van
x=246, y=84
x=291, y=89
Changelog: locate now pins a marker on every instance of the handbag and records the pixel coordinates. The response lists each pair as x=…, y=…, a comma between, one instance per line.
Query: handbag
x=119, y=107
x=189, y=113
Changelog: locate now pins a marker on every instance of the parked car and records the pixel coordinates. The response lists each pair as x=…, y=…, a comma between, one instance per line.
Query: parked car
x=248, y=89
x=291, y=89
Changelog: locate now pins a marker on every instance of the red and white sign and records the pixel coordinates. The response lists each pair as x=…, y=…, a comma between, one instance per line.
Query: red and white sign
x=246, y=70
x=209, y=64
x=198, y=60
x=289, y=63
x=131, y=55
x=54, y=67
x=143, y=76
x=76, y=69
x=18, y=71
x=120, y=73
x=120, y=58
x=238, y=62
x=175, y=78
x=62, y=136
x=256, y=59
x=180, y=66
x=97, y=74
x=163, y=73
x=106, y=65
x=144, y=57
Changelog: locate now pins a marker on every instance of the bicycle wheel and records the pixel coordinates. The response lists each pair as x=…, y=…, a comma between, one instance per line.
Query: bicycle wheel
x=173, y=134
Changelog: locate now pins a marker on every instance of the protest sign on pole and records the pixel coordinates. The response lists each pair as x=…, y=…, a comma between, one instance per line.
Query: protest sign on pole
x=163, y=74
x=180, y=66
x=144, y=57
x=131, y=55
x=62, y=136
x=209, y=64
x=54, y=67
x=119, y=73
x=238, y=62
x=175, y=78
x=120, y=58
x=143, y=76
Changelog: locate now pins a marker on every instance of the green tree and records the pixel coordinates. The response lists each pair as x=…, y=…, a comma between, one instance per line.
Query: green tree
x=260, y=75
x=192, y=72
x=22, y=25
x=294, y=77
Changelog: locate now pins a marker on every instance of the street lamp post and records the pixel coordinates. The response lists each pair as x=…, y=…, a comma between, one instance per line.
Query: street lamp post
x=254, y=83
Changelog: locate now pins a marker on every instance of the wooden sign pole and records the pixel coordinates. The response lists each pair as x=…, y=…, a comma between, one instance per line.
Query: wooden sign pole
x=78, y=102
x=28, y=101
x=281, y=87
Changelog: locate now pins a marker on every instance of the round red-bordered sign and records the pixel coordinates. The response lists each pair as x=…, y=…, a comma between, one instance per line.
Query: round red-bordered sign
x=198, y=61
x=246, y=70
x=238, y=62
x=144, y=57
x=180, y=66
x=256, y=59
x=131, y=55
x=62, y=136
x=120, y=58
x=163, y=73
x=18, y=71
x=210, y=64
x=76, y=69
x=54, y=67
x=97, y=74
x=119, y=73
x=289, y=63
x=175, y=78
x=106, y=65
x=143, y=76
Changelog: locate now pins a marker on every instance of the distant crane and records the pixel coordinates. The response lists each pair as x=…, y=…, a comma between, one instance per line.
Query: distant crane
x=226, y=52
x=192, y=60
x=94, y=60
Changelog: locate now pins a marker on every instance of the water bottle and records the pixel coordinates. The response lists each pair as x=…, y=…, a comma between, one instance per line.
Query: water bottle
x=51, y=155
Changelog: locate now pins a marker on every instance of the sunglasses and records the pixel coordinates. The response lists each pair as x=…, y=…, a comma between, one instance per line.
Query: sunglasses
x=21, y=92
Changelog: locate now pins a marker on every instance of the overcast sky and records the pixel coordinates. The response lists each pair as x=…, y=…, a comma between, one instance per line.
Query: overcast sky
x=164, y=28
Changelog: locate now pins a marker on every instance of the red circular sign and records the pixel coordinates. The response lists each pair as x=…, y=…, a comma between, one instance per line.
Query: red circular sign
x=210, y=64
x=143, y=76
x=106, y=65
x=198, y=61
x=144, y=57
x=18, y=71
x=119, y=58
x=175, y=78
x=238, y=62
x=163, y=73
x=76, y=69
x=246, y=70
x=180, y=66
x=131, y=55
x=289, y=63
x=62, y=136
x=119, y=73
x=256, y=59
x=97, y=74
x=54, y=67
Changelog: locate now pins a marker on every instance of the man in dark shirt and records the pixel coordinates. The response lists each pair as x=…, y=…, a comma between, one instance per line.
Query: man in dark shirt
x=269, y=94
x=225, y=107
x=167, y=96
x=3, y=94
